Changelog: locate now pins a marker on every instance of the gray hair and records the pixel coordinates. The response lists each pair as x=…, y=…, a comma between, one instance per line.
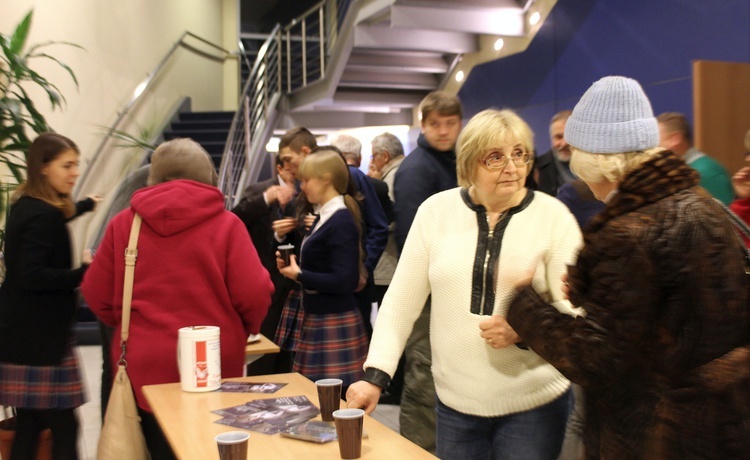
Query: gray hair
x=350, y=146
x=387, y=142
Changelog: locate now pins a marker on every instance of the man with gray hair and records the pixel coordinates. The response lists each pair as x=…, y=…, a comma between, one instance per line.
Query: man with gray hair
x=387, y=155
x=375, y=220
x=351, y=147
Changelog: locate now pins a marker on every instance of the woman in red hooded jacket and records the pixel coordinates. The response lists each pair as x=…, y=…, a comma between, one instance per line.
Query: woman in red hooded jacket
x=196, y=266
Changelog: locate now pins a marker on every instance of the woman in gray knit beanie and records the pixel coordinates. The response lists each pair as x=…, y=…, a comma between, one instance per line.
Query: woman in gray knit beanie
x=662, y=350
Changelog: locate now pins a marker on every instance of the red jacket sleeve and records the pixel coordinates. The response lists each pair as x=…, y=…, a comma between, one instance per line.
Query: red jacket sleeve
x=741, y=207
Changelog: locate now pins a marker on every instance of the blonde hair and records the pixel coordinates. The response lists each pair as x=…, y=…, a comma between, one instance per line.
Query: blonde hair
x=611, y=167
x=487, y=129
x=747, y=140
x=327, y=163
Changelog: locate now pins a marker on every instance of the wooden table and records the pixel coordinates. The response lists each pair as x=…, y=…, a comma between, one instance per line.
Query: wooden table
x=255, y=350
x=187, y=422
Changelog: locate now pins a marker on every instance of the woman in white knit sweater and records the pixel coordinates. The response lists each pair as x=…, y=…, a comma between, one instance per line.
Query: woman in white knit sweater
x=467, y=249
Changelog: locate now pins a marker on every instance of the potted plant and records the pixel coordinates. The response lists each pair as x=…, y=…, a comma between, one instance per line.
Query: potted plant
x=18, y=112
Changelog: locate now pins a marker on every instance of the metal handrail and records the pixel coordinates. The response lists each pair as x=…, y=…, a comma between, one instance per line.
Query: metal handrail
x=141, y=88
x=287, y=61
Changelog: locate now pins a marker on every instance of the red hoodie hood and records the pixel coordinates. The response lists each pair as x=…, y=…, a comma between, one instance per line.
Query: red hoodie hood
x=177, y=205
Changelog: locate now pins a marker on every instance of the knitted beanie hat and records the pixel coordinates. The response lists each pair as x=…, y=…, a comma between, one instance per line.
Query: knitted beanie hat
x=182, y=159
x=613, y=116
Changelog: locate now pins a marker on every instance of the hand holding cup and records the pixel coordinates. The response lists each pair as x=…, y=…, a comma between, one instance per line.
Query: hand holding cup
x=289, y=269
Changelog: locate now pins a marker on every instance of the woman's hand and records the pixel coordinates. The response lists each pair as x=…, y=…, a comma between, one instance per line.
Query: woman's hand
x=96, y=199
x=308, y=221
x=87, y=257
x=283, y=226
x=565, y=287
x=292, y=271
x=497, y=333
x=363, y=395
x=362, y=283
x=741, y=182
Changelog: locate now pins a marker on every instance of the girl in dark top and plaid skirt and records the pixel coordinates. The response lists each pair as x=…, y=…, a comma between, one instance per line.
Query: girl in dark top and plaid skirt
x=333, y=342
x=39, y=372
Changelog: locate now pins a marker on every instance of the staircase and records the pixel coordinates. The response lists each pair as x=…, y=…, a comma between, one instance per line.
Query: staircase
x=209, y=129
x=388, y=54
x=354, y=63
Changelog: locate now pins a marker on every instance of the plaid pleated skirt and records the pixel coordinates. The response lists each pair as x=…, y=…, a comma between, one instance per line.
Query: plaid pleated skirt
x=332, y=345
x=43, y=387
x=290, y=322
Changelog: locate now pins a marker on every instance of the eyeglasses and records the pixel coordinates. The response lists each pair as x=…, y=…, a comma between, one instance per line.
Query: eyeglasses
x=497, y=161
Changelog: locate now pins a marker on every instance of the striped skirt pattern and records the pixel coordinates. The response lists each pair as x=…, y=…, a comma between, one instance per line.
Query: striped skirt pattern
x=332, y=345
x=290, y=322
x=42, y=387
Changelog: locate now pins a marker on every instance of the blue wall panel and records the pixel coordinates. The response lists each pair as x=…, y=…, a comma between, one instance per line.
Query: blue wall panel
x=581, y=41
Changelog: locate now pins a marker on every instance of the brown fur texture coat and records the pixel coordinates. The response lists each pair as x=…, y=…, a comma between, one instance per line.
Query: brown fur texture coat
x=662, y=352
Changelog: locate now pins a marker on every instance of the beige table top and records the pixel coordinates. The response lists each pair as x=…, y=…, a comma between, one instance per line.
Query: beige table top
x=263, y=346
x=187, y=422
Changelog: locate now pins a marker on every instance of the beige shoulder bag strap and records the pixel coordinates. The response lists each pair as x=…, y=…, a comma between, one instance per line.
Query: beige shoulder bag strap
x=131, y=254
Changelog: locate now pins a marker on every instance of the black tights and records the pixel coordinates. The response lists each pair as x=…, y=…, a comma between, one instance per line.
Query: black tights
x=31, y=422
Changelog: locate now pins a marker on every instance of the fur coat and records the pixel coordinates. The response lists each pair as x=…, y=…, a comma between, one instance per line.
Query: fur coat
x=662, y=350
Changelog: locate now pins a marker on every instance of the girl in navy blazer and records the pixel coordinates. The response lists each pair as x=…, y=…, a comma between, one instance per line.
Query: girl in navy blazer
x=333, y=342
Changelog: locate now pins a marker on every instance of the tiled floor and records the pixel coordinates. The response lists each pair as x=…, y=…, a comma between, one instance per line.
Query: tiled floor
x=89, y=414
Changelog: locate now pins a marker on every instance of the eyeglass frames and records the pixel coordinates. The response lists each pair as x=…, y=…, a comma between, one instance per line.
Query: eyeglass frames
x=495, y=160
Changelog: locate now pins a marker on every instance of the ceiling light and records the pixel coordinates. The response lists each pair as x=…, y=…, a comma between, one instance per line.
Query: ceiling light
x=460, y=75
x=534, y=18
x=499, y=44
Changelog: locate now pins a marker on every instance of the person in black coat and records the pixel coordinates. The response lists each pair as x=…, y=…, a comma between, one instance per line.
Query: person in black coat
x=260, y=205
x=552, y=170
x=39, y=372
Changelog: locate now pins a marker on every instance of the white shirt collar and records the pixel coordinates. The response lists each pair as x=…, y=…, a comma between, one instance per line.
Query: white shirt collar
x=328, y=209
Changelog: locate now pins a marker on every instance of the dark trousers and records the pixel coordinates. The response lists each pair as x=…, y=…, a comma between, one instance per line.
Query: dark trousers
x=392, y=394
x=31, y=422
x=157, y=443
x=105, y=332
x=365, y=298
x=273, y=363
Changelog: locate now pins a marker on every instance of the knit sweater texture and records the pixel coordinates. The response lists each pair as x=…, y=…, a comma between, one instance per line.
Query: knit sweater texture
x=438, y=258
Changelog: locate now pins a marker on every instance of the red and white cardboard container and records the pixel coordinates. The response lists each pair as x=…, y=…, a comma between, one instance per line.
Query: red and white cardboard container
x=199, y=358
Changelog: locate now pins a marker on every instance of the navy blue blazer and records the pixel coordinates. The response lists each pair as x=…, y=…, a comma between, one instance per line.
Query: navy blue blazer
x=330, y=266
x=375, y=221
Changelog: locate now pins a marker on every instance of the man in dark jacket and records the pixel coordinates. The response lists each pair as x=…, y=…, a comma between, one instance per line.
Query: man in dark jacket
x=430, y=168
x=260, y=205
x=351, y=148
x=552, y=170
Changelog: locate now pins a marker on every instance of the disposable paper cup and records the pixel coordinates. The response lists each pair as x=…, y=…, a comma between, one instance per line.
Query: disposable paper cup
x=286, y=251
x=349, y=424
x=232, y=445
x=329, y=397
